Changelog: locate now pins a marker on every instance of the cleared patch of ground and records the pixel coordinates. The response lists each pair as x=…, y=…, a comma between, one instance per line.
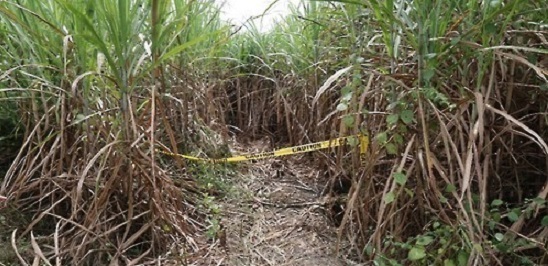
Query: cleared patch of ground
x=277, y=217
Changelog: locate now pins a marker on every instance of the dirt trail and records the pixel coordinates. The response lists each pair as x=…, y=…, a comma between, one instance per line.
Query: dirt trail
x=278, y=218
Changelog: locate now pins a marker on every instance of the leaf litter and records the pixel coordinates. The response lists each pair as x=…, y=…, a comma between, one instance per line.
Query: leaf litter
x=278, y=217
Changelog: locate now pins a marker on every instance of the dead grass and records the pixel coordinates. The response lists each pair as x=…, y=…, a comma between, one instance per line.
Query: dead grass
x=90, y=188
x=461, y=149
x=278, y=216
x=90, y=191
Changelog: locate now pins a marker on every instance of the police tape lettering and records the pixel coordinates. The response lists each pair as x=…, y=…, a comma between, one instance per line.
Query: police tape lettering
x=307, y=147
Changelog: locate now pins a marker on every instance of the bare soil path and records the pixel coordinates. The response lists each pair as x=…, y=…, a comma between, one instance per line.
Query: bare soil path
x=279, y=217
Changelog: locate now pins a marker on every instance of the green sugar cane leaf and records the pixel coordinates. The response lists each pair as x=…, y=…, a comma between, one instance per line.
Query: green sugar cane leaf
x=179, y=48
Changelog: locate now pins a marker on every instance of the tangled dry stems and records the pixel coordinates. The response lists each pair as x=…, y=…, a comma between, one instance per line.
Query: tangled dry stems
x=98, y=195
x=92, y=182
x=491, y=143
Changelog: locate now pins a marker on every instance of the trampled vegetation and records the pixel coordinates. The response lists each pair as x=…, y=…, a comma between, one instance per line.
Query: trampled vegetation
x=454, y=95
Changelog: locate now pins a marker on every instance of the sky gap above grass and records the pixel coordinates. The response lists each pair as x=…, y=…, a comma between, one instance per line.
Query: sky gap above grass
x=239, y=11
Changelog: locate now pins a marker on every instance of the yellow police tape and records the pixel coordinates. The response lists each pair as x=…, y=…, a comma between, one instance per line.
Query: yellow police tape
x=363, y=141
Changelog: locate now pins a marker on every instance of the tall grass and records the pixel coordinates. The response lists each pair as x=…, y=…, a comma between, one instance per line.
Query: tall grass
x=454, y=94
x=97, y=85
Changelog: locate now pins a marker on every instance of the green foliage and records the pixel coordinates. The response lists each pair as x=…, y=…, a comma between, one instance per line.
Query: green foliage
x=389, y=197
x=400, y=178
x=212, y=177
x=398, y=124
x=438, y=246
x=443, y=244
x=544, y=221
x=210, y=206
x=506, y=243
x=416, y=253
x=215, y=180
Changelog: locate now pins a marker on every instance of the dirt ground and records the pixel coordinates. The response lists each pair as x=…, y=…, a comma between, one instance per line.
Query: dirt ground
x=280, y=217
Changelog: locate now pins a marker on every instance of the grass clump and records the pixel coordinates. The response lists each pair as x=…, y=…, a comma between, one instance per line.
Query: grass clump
x=454, y=97
x=97, y=85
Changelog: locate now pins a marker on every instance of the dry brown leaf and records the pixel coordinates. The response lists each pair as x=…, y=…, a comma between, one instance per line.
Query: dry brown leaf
x=14, y=246
x=327, y=84
x=39, y=255
x=534, y=136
